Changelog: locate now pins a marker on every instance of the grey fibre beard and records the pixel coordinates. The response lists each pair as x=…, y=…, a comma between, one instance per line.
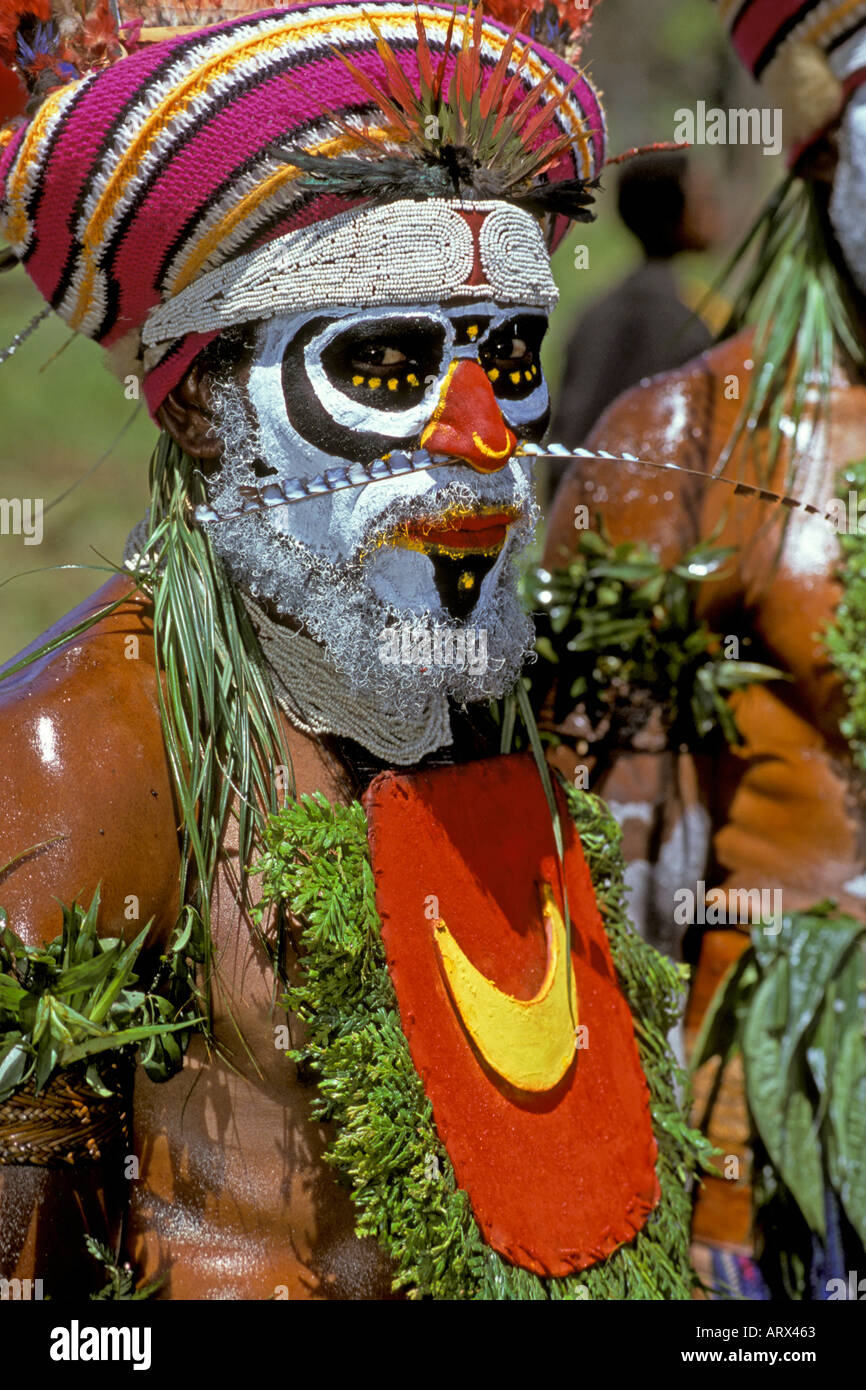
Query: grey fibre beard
x=335, y=604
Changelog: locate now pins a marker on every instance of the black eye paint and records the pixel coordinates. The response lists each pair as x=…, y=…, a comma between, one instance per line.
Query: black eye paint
x=470, y=328
x=385, y=363
x=511, y=356
x=308, y=413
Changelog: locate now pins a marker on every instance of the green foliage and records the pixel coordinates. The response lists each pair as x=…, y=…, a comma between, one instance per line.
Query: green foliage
x=619, y=628
x=792, y=1005
x=316, y=865
x=119, y=1278
x=221, y=727
x=73, y=1003
x=799, y=299
x=845, y=638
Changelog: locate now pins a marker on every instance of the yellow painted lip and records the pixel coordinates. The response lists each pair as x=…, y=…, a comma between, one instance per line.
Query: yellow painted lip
x=400, y=536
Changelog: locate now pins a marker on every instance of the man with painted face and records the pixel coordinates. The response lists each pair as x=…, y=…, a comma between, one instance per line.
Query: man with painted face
x=329, y=265
x=383, y=572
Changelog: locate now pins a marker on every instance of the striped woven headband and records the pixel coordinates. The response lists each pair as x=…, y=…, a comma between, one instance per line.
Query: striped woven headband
x=131, y=184
x=760, y=29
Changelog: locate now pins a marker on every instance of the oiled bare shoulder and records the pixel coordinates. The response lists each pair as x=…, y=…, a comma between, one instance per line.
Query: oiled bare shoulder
x=85, y=789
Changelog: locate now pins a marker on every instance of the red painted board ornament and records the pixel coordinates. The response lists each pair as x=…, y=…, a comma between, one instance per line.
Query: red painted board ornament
x=559, y=1171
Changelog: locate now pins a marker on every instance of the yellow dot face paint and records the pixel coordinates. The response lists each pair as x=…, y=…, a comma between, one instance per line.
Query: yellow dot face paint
x=514, y=377
x=357, y=381
x=472, y=330
x=393, y=383
x=493, y=373
x=412, y=379
x=466, y=581
x=374, y=383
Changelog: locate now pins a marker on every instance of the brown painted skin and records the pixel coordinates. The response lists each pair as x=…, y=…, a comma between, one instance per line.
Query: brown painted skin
x=787, y=809
x=233, y=1200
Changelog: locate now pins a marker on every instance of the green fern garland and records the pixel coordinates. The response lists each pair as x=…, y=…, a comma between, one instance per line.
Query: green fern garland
x=317, y=866
x=845, y=637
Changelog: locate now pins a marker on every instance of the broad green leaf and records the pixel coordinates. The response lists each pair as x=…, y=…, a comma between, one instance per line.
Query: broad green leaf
x=46, y=1059
x=763, y=1074
x=730, y=675
x=702, y=562
x=11, y=993
x=801, y=1168
x=16, y=1062
x=95, y=1082
x=124, y=1038
x=122, y=972
x=847, y=1103
x=718, y=1030
x=87, y=974
x=814, y=948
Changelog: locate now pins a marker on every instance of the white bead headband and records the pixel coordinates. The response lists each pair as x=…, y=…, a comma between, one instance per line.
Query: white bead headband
x=403, y=253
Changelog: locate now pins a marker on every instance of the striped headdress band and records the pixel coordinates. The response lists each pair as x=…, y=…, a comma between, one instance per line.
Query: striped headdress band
x=132, y=183
x=760, y=29
x=809, y=57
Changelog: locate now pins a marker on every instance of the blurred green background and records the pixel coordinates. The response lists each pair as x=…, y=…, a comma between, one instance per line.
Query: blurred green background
x=61, y=409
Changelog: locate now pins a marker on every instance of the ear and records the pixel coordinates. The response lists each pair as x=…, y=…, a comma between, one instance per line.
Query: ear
x=187, y=415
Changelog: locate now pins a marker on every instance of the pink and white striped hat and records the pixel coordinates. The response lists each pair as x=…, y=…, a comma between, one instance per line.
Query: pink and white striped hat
x=135, y=182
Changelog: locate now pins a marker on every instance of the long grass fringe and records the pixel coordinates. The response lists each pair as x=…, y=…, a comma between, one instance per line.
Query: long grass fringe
x=795, y=290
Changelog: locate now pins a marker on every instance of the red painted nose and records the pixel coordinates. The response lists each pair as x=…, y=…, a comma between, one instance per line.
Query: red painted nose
x=467, y=422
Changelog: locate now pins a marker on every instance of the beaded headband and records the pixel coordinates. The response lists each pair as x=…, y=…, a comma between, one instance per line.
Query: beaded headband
x=405, y=253
x=137, y=181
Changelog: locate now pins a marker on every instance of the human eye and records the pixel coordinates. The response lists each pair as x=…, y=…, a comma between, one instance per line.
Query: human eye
x=391, y=360
x=510, y=355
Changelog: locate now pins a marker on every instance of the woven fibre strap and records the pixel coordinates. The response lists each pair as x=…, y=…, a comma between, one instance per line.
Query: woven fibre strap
x=67, y=1123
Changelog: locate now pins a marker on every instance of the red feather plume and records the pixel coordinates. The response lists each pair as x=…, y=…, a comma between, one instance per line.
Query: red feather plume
x=570, y=16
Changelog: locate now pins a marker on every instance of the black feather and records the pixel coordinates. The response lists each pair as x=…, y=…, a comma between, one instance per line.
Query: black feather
x=450, y=172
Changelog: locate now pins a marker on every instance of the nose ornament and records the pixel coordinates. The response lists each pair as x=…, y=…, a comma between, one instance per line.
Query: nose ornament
x=467, y=422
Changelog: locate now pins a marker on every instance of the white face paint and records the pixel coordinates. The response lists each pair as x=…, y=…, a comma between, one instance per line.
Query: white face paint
x=848, y=199
x=341, y=384
x=311, y=417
